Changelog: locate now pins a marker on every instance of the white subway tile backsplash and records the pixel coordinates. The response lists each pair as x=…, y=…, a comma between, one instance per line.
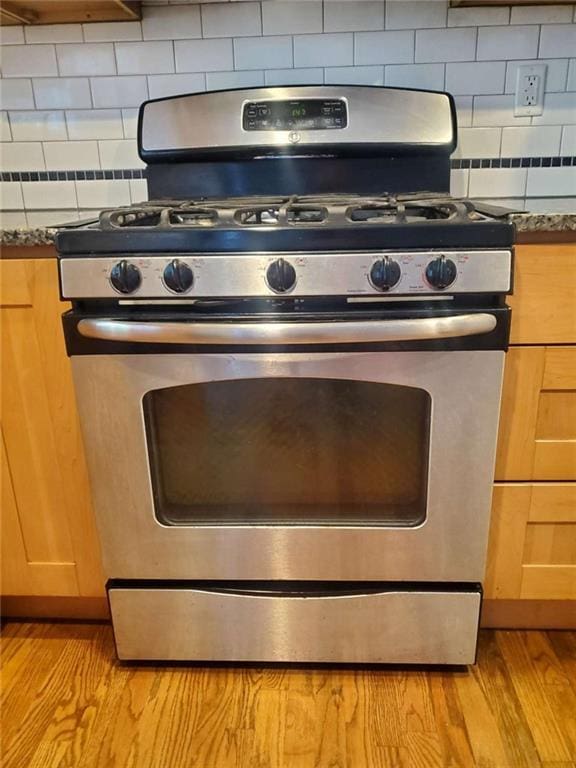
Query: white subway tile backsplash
x=541, y=14
x=496, y=110
x=16, y=94
x=344, y=16
x=477, y=17
x=119, y=154
x=128, y=91
x=478, y=142
x=557, y=41
x=507, y=43
x=172, y=23
x=480, y=77
x=263, y=52
x=459, y=182
x=86, y=59
x=555, y=74
x=62, y=92
x=138, y=190
x=103, y=194
x=11, y=35
x=51, y=218
x=328, y=50
x=463, y=110
x=517, y=204
x=454, y=44
x=415, y=14
x=429, y=76
x=571, y=82
x=22, y=156
x=220, y=81
x=112, y=31
x=354, y=75
x=108, y=69
x=559, y=109
x=86, y=124
x=237, y=20
x=551, y=182
x=568, y=145
x=497, y=182
x=53, y=33
x=530, y=141
x=291, y=18
x=203, y=55
x=307, y=76
x=551, y=205
x=130, y=123
x=29, y=61
x=160, y=86
x=11, y=196
x=71, y=155
x=5, y=132
x=49, y=194
x=38, y=126
x=145, y=58
x=383, y=47
x=13, y=220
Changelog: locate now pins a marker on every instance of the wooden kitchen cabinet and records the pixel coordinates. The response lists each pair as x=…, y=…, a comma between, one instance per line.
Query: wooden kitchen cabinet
x=49, y=541
x=531, y=572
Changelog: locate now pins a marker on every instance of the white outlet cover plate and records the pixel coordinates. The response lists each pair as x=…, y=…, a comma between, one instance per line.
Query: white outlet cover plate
x=537, y=108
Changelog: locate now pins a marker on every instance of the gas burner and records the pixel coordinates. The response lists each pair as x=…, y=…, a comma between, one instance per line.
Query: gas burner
x=306, y=211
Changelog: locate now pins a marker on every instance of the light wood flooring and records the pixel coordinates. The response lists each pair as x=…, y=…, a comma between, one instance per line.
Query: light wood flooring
x=67, y=702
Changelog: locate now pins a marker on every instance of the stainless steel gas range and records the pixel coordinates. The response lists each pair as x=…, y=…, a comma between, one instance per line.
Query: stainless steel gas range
x=288, y=365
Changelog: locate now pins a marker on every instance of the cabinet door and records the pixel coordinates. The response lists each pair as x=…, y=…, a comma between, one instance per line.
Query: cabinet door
x=532, y=549
x=537, y=437
x=49, y=542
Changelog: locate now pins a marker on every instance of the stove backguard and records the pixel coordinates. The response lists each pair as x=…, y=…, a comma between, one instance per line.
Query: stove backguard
x=392, y=140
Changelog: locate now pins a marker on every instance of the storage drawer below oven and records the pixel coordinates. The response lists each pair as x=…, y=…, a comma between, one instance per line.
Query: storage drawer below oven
x=182, y=623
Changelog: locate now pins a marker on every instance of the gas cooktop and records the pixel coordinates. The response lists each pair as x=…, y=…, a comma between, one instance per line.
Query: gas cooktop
x=276, y=223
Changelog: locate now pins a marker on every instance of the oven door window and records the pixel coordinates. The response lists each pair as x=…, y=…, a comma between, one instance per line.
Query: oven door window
x=289, y=451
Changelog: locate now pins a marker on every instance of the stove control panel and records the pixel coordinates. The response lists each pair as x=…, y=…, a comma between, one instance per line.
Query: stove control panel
x=295, y=274
x=295, y=115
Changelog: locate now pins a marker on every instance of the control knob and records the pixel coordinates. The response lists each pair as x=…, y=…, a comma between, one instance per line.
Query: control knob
x=125, y=277
x=385, y=273
x=441, y=272
x=281, y=276
x=178, y=276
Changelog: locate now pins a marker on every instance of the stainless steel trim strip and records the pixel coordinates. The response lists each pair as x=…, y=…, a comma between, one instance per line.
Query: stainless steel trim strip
x=288, y=333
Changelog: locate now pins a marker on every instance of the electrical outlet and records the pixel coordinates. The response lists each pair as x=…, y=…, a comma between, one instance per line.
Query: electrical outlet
x=530, y=80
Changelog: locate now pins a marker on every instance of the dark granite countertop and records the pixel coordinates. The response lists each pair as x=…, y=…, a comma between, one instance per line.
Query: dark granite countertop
x=544, y=222
x=27, y=237
x=525, y=222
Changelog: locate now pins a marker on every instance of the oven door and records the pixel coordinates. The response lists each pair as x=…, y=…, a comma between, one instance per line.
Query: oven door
x=298, y=465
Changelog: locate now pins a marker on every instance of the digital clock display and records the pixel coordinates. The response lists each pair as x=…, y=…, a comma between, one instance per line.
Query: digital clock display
x=295, y=115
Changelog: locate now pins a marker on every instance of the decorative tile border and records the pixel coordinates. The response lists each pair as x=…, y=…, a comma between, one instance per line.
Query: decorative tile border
x=126, y=173
x=140, y=173
x=513, y=162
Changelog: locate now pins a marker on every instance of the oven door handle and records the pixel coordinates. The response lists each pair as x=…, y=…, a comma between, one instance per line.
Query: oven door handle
x=267, y=333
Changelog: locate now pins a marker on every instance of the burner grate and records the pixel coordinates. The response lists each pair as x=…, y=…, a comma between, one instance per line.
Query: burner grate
x=293, y=211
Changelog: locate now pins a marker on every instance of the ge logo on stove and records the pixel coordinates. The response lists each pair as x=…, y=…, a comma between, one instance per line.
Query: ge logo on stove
x=294, y=137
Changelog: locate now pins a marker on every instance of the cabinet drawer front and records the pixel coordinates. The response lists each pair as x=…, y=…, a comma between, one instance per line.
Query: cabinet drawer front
x=544, y=295
x=216, y=625
x=532, y=549
x=537, y=438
